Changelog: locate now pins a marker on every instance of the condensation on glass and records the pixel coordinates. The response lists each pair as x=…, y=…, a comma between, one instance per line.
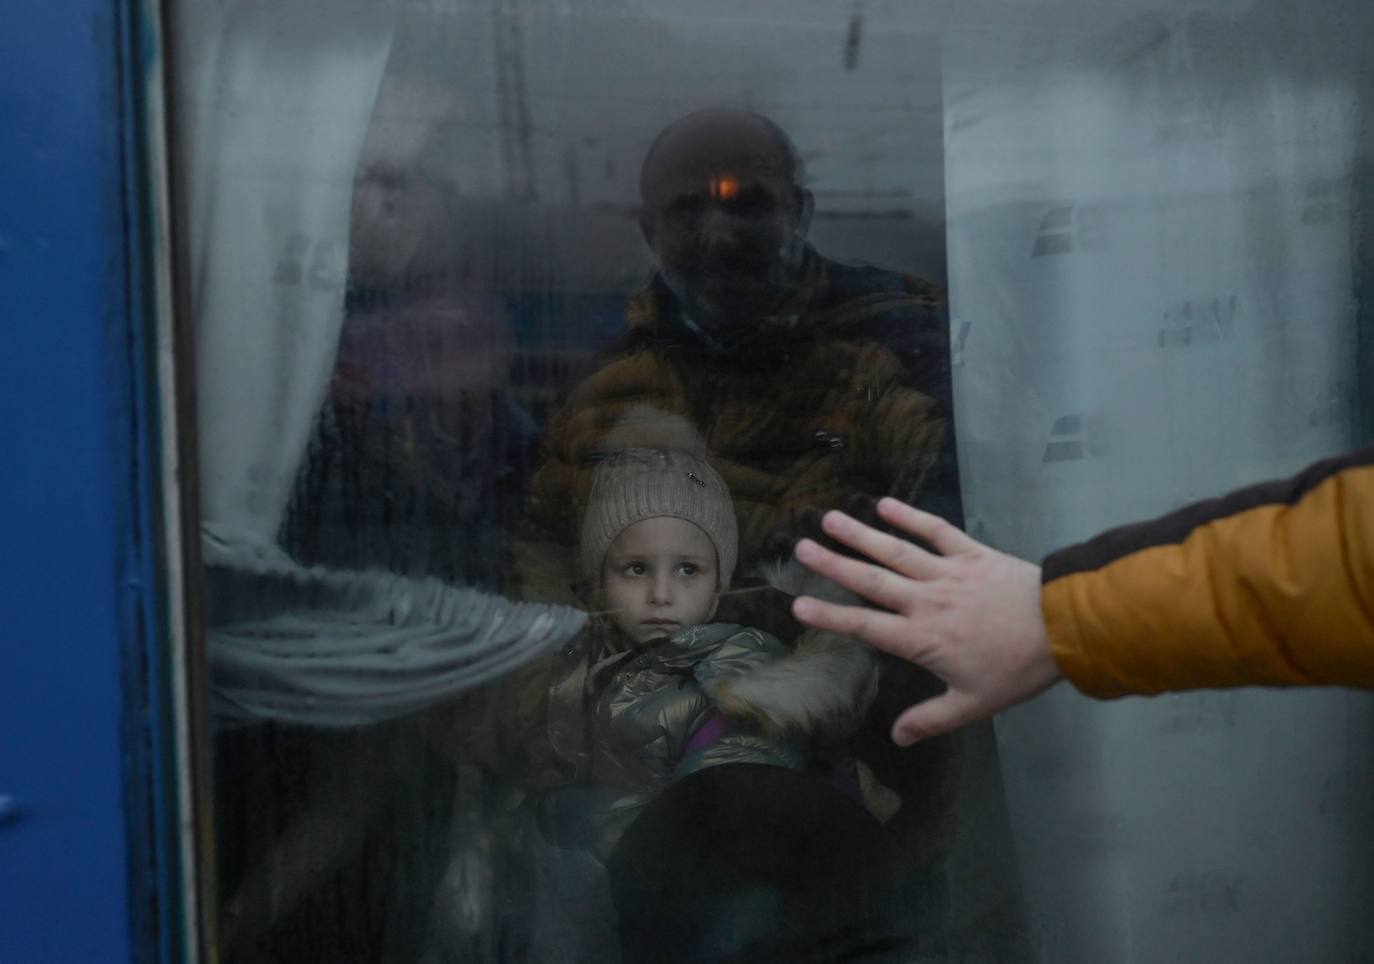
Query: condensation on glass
x=519, y=322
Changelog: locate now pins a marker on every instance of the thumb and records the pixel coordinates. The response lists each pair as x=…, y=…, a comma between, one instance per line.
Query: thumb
x=939, y=714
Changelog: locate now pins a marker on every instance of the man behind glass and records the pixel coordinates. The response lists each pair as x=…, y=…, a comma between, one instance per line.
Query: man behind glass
x=813, y=384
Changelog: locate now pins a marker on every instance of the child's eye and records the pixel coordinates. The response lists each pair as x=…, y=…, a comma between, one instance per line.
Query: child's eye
x=689, y=569
x=635, y=569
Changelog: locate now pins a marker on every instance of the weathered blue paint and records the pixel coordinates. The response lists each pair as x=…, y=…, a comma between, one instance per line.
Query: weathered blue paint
x=85, y=857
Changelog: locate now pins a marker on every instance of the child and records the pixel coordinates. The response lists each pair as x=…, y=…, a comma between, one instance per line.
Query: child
x=655, y=690
x=652, y=692
x=659, y=544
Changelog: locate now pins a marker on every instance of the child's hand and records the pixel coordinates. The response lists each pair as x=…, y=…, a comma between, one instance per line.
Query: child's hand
x=971, y=616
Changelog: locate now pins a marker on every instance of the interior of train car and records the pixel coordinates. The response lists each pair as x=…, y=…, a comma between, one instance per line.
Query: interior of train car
x=430, y=310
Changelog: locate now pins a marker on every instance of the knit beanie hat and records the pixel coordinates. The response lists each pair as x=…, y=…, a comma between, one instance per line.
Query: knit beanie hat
x=633, y=484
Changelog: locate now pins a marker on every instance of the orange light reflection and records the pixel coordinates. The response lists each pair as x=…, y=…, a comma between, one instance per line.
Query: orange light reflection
x=725, y=187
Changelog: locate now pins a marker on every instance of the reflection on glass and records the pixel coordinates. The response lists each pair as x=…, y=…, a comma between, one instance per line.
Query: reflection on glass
x=531, y=338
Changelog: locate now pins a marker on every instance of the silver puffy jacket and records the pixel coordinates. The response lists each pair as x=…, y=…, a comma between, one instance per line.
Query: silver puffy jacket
x=631, y=723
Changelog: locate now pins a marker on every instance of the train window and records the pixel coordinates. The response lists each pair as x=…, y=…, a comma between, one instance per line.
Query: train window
x=530, y=336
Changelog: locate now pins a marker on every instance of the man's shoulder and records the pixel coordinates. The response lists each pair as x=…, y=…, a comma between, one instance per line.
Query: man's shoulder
x=901, y=313
x=856, y=278
x=879, y=290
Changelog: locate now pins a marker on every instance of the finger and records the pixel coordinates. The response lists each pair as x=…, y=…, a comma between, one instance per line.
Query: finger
x=882, y=630
x=897, y=554
x=874, y=583
x=949, y=539
x=935, y=716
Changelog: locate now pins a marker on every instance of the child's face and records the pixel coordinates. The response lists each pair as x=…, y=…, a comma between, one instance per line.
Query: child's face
x=659, y=577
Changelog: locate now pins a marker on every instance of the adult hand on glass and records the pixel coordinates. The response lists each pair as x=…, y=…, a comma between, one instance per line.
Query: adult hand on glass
x=970, y=615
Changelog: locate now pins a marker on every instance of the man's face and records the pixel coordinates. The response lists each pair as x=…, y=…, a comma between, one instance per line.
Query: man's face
x=659, y=577
x=725, y=239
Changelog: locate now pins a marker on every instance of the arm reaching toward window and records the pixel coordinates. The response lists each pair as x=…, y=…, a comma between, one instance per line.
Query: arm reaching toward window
x=1269, y=585
x=971, y=615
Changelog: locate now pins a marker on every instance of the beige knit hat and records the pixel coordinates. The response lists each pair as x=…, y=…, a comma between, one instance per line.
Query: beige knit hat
x=633, y=484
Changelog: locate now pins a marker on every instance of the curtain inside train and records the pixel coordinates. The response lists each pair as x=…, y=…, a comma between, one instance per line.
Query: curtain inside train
x=275, y=103
x=1153, y=270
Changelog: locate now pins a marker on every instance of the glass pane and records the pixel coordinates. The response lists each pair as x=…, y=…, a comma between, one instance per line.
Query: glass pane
x=531, y=337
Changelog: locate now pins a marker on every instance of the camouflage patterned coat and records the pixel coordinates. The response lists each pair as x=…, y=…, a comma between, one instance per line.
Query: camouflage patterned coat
x=836, y=400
